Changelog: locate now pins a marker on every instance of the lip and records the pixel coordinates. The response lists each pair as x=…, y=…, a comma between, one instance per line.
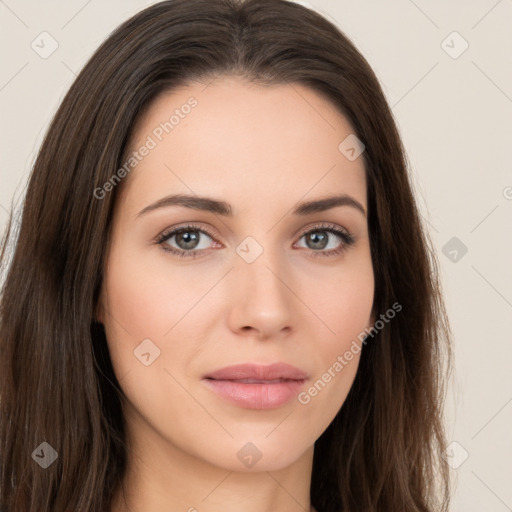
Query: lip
x=254, y=386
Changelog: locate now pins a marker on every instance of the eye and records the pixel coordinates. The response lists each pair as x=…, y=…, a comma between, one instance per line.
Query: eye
x=328, y=237
x=192, y=241
x=189, y=241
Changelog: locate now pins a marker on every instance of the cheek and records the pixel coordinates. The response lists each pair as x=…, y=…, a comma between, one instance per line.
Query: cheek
x=156, y=303
x=153, y=331
x=150, y=299
x=336, y=359
x=342, y=302
x=344, y=307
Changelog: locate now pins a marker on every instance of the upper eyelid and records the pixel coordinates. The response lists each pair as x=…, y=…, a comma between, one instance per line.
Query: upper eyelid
x=167, y=233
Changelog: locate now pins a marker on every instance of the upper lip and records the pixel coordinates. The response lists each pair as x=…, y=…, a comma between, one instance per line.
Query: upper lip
x=274, y=371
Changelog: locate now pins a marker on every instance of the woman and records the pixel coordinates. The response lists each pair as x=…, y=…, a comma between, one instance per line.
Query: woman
x=222, y=295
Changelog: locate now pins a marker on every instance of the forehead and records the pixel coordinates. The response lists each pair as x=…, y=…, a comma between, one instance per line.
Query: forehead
x=251, y=142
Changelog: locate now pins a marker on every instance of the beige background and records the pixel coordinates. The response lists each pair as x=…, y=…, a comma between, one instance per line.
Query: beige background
x=455, y=116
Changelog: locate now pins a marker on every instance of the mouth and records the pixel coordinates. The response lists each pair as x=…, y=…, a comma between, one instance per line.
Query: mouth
x=255, y=381
x=254, y=386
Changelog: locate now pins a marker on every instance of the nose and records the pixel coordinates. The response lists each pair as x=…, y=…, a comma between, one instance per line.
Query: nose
x=261, y=300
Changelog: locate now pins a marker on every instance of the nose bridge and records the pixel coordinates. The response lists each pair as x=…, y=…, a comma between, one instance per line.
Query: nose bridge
x=263, y=275
x=262, y=299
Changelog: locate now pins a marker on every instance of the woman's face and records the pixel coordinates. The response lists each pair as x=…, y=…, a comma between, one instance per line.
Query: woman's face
x=256, y=277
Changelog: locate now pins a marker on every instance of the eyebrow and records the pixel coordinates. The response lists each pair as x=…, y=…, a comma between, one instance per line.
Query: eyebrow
x=222, y=208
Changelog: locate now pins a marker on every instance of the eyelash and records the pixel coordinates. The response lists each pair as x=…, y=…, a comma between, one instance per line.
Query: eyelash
x=346, y=238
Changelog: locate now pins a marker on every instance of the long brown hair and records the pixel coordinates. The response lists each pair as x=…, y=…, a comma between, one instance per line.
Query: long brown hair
x=382, y=452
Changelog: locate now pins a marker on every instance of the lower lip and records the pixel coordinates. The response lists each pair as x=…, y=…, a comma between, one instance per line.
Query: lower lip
x=256, y=396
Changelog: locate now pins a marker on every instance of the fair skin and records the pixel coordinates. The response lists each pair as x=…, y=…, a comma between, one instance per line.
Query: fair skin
x=263, y=150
